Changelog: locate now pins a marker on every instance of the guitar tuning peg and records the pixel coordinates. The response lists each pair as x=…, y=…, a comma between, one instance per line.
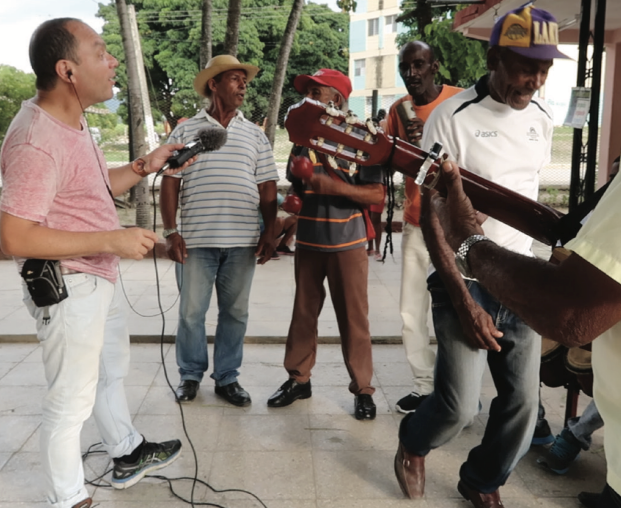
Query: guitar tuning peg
x=332, y=110
x=371, y=126
x=352, y=169
x=351, y=117
x=332, y=162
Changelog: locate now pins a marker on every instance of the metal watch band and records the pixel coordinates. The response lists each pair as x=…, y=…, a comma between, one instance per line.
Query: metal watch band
x=461, y=256
x=167, y=232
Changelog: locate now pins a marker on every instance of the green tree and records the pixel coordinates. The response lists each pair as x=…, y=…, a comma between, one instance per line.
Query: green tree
x=462, y=60
x=15, y=86
x=171, y=38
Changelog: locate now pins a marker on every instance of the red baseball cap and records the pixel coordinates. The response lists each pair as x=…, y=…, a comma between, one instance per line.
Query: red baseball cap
x=324, y=77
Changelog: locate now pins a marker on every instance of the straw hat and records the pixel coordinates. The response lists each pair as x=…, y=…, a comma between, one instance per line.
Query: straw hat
x=219, y=64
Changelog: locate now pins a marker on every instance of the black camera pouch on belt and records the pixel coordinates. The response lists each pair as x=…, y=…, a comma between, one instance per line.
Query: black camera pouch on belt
x=44, y=281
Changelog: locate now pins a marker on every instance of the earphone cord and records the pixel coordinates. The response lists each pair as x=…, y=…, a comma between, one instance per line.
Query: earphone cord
x=92, y=140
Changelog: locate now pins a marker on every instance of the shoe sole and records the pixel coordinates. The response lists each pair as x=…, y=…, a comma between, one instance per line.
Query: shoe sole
x=301, y=397
x=130, y=482
x=404, y=411
x=558, y=471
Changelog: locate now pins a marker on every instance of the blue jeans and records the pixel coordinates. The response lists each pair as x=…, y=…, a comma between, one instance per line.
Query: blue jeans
x=583, y=426
x=232, y=270
x=457, y=387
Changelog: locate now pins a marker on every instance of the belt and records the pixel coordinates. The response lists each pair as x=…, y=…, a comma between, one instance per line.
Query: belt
x=67, y=271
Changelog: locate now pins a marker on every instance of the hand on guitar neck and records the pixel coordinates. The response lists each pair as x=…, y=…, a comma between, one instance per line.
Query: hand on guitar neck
x=310, y=125
x=454, y=210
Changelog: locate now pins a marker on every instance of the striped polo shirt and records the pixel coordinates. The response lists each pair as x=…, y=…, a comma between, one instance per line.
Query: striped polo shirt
x=219, y=199
x=331, y=223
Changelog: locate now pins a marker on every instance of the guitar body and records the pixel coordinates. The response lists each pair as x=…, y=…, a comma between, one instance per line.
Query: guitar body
x=310, y=123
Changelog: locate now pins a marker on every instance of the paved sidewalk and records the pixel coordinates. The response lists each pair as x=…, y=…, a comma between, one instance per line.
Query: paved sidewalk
x=271, y=301
x=312, y=454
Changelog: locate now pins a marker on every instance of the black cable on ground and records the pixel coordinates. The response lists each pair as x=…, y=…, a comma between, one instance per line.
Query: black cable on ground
x=195, y=480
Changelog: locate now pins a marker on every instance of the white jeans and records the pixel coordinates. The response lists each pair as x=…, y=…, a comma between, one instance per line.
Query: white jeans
x=414, y=308
x=85, y=345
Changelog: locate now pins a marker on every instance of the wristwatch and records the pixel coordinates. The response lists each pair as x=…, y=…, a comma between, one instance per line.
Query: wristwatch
x=461, y=256
x=167, y=232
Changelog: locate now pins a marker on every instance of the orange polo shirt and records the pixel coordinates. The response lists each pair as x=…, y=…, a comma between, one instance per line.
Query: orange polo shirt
x=411, y=208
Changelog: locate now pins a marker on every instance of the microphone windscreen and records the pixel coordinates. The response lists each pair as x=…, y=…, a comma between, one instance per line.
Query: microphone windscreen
x=212, y=139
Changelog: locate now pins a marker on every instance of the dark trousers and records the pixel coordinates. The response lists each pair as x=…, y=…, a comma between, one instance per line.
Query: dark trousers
x=347, y=274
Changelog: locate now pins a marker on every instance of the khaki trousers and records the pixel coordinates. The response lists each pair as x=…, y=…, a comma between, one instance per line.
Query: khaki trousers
x=347, y=274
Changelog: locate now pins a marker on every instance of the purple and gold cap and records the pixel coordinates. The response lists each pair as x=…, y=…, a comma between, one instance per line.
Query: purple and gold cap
x=528, y=31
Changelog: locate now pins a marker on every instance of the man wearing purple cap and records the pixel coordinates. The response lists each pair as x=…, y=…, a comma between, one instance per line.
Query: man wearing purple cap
x=498, y=130
x=331, y=243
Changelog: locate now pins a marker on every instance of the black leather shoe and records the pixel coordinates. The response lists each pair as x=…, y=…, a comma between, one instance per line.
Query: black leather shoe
x=187, y=389
x=234, y=394
x=289, y=392
x=365, y=407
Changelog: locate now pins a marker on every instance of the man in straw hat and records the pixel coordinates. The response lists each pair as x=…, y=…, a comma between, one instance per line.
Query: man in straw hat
x=218, y=240
x=331, y=244
x=499, y=130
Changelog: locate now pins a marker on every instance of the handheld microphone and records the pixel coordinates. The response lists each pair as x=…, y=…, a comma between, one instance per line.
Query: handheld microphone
x=207, y=140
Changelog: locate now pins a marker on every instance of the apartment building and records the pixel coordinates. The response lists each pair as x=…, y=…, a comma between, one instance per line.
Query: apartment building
x=373, y=55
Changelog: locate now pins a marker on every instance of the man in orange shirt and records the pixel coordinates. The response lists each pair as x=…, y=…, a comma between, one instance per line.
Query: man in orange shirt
x=418, y=67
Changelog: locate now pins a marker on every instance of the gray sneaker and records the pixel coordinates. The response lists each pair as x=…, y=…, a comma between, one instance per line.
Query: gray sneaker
x=153, y=456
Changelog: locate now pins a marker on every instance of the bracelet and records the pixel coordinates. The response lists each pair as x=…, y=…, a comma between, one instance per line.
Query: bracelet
x=138, y=167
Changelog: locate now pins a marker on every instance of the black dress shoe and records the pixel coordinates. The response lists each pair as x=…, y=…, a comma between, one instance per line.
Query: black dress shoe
x=365, y=407
x=234, y=394
x=289, y=392
x=187, y=389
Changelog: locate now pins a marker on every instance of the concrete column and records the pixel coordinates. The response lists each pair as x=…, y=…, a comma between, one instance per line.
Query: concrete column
x=610, y=140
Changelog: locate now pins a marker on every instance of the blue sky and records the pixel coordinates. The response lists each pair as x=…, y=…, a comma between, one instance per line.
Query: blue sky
x=19, y=18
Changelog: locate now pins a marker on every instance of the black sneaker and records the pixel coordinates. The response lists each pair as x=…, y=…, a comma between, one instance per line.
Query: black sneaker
x=410, y=402
x=152, y=457
x=543, y=434
x=285, y=250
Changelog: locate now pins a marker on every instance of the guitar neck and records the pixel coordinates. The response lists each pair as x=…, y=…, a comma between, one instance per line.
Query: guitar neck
x=310, y=123
x=530, y=217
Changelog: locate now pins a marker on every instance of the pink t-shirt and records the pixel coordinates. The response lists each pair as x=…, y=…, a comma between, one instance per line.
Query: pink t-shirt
x=55, y=175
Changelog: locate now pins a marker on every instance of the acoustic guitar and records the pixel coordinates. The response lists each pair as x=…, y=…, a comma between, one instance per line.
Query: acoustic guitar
x=311, y=123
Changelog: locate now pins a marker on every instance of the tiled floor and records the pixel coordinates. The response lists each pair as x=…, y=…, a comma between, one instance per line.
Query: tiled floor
x=312, y=454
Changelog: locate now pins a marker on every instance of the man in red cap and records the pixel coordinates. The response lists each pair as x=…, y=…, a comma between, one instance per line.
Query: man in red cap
x=331, y=243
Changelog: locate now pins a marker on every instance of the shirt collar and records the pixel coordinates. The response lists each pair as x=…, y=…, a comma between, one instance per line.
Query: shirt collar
x=239, y=116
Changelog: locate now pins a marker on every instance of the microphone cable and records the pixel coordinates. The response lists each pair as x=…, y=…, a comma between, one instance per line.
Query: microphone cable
x=195, y=480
